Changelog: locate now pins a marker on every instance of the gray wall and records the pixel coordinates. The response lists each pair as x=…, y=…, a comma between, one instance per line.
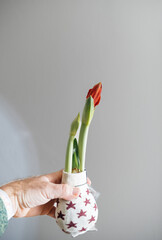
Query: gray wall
x=51, y=53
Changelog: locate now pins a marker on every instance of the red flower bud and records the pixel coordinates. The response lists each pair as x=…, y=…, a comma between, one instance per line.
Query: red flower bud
x=95, y=92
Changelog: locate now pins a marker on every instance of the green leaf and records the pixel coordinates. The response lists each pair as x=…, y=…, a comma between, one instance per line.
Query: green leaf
x=88, y=111
x=75, y=147
x=76, y=161
x=75, y=125
x=69, y=149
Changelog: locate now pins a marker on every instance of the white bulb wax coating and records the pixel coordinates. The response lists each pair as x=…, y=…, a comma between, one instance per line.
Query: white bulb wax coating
x=78, y=215
x=69, y=149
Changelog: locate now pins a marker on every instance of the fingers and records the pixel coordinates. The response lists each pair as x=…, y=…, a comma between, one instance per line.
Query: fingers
x=52, y=212
x=88, y=181
x=55, y=177
x=64, y=191
x=44, y=209
x=49, y=208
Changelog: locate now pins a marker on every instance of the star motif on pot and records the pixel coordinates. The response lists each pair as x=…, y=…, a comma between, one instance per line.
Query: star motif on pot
x=80, y=195
x=87, y=201
x=88, y=192
x=92, y=219
x=71, y=224
x=82, y=213
x=95, y=206
x=70, y=205
x=61, y=215
x=83, y=229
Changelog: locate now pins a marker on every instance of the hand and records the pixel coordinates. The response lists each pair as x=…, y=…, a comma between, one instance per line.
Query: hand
x=36, y=195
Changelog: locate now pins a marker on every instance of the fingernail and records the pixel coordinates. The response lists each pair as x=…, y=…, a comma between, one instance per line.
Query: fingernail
x=89, y=181
x=76, y=191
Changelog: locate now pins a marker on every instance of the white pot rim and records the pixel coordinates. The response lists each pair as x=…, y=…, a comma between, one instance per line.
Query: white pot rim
x=74, y=179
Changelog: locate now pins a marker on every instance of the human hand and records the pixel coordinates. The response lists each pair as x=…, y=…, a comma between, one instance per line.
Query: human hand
x=36, y=195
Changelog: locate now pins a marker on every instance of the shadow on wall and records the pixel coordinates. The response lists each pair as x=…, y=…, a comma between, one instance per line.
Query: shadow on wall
x=18, y=159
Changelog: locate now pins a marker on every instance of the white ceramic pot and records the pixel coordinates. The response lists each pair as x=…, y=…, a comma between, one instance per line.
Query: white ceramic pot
x=78, y=215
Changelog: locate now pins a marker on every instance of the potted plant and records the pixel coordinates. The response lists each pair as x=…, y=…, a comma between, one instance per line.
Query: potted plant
x=80, y=215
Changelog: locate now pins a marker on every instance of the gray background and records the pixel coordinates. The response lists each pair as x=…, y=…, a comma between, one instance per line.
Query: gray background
x=51, y=53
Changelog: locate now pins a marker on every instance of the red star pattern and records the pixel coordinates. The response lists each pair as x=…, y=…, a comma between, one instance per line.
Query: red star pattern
x=71, y=224
x=87, y=201
x=91, y=219
x=88, y=192
x=83, y=229
x=95, y=206
x=70, y=205
x=82, y=213
x=68, y=220
x=61, y=215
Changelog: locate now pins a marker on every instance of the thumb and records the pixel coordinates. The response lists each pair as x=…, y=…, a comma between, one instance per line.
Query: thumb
x=64, y=191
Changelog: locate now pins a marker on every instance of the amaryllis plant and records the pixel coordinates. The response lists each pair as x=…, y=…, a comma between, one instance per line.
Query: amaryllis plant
x=79, y=215
x=76, y=150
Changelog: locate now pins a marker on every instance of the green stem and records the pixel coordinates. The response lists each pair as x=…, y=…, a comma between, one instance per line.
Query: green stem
x=69, y=153
x=82, y=145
